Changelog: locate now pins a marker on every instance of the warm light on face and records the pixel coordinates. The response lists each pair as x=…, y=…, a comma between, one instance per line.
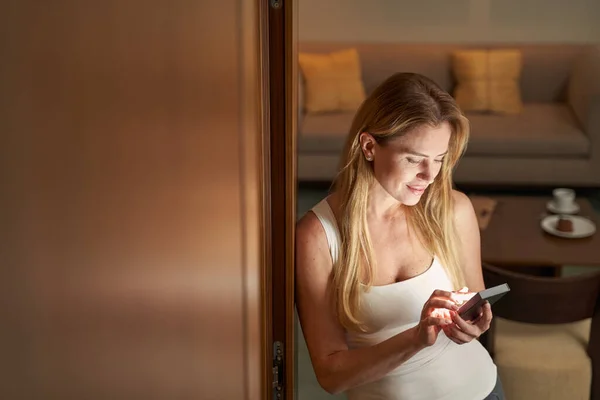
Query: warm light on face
x=406, y=165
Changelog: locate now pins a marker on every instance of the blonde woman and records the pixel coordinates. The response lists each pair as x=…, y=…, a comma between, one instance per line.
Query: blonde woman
x=381, y=260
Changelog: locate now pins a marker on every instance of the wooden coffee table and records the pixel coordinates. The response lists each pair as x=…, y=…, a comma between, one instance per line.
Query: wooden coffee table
x=515, y=239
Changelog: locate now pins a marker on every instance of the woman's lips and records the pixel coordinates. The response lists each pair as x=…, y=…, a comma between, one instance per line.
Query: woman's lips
x=417, y=190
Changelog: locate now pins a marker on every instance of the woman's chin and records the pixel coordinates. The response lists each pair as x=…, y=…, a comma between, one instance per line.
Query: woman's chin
x=411, y=196
x=409, y=199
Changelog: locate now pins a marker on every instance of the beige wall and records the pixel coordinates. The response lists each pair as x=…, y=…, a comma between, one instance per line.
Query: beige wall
x=450, y=21
x=130, y=204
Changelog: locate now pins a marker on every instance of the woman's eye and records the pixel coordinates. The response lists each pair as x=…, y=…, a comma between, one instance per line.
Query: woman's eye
x=439, y=161
x=413, y=161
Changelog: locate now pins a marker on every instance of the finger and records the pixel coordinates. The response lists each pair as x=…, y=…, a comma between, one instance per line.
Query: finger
x=433, y=321
x=485, y=319
x=469, y=329
x=438, y=302
x=486, y=310
x=477, y=320
x=459, y=342
x=441, y=313
x=450, y=335
x=441, y=293
x=455, y=334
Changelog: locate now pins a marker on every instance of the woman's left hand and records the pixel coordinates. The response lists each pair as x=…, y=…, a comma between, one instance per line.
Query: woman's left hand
x=462, y=331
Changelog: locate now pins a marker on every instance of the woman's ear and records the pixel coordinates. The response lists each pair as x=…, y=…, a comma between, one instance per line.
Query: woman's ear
x=367, y=145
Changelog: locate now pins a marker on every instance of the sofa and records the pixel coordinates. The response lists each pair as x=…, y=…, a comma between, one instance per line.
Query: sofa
x=553, y=141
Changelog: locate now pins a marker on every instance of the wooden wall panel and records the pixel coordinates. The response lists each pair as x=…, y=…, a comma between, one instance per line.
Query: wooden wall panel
x=131, y=200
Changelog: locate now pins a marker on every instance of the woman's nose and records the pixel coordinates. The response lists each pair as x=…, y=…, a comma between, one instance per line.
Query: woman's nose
x=426, y=172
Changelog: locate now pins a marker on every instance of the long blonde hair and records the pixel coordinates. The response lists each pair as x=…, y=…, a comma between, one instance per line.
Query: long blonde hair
x=400, y=104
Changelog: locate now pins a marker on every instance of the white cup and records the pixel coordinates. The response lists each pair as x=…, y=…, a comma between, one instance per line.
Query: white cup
x=564, y=198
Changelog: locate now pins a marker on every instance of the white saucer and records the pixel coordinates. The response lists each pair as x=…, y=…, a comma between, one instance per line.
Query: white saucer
x=582, y=227
x=553, y=209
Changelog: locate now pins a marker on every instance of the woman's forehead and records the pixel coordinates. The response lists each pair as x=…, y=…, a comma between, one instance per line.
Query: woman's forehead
x=426, y=139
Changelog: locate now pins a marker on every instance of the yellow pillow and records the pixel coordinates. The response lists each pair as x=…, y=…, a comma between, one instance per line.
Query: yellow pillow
x=488, y=80
x=332, y=82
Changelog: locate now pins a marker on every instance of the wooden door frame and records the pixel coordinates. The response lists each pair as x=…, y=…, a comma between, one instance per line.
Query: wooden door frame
x=291, y=118
x=280, y=55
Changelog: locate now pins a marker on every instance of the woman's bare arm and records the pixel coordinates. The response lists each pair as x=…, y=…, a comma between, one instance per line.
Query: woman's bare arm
x=470, y=241
x=470, y=253
x=337, y=368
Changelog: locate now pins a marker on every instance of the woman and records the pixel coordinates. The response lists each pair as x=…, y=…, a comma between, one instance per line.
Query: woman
x=379, y=261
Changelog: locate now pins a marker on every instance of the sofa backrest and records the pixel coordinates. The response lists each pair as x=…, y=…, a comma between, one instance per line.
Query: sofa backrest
x=544, y=76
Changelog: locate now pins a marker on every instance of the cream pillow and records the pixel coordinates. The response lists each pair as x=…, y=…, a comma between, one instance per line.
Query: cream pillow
x=332, y=82
x=488, y=80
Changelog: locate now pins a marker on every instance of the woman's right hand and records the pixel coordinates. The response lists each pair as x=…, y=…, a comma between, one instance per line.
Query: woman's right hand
x=435, y=314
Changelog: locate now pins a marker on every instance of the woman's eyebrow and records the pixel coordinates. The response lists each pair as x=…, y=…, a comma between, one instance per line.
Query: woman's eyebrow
x=415, y=153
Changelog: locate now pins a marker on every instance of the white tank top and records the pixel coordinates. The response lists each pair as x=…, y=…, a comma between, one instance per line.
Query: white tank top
x=443, y=371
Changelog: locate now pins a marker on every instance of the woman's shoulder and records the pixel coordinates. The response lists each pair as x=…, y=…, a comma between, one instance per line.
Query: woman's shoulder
x=309, y=228
x=312, y=249
x=308, y=225
x=460, y=200
x=462, y=208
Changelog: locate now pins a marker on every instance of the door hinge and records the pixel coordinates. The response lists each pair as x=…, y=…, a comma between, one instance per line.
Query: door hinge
x=277, y=370
x=276, y=3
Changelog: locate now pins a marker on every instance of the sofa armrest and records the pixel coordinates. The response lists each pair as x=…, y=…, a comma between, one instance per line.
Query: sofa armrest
x=584, y=97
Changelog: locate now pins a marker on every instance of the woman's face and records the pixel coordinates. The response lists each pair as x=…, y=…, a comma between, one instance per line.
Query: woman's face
x=407, y=165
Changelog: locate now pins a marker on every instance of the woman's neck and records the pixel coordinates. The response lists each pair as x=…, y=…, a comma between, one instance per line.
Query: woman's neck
x=382, y=206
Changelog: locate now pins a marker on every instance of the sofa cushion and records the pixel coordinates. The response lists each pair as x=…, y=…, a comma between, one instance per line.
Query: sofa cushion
x=332, y=82
x=540, y=130
x=488, y=80
x=324, y=133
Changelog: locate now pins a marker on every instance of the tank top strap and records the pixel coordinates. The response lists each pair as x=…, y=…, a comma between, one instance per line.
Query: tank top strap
x=325, y=215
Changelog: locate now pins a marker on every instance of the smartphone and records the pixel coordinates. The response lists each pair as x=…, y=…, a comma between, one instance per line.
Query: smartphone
x=471, y=309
